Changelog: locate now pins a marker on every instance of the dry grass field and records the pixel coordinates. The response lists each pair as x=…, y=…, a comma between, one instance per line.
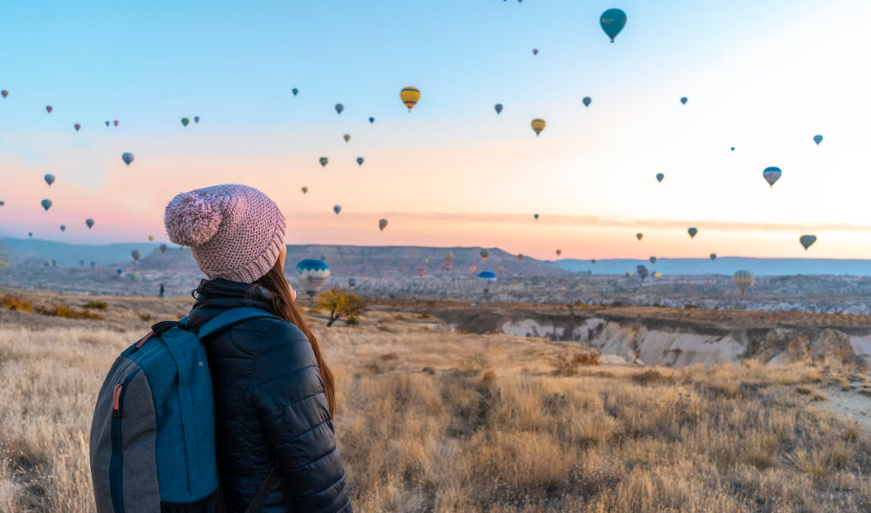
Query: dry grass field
x=434, y=420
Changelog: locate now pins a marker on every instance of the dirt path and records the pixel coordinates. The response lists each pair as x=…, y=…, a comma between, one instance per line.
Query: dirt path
x=853, y=405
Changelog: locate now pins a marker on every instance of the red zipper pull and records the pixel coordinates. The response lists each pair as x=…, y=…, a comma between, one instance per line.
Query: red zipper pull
x=144, y=339
x=116, y=400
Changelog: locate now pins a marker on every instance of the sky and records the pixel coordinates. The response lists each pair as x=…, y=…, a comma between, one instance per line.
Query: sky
x=764, y=77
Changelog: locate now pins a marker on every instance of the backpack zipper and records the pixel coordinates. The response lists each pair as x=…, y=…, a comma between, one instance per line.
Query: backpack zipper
x=116, y=464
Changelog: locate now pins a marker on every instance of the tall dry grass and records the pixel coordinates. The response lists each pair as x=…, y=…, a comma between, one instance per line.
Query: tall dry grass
x=431, y=420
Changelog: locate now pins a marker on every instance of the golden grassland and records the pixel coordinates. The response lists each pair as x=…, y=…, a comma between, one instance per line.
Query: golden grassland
x=434, y=420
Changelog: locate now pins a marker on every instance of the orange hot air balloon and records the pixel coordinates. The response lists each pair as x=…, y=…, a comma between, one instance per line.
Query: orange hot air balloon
x=410, y=96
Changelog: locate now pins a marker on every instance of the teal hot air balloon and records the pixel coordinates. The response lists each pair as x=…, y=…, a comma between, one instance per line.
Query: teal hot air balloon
x=49, y=179
x=312, y=275
x=807, y=241
x=818, y=139
x=683, y=100
x=587, y=101
x=692, y=231
x=733, y=148
x=371, y=120
x=652, y=259
x=119, y=271
x=613, y=21
x=659, y=177
x=772, y=175
x=295, y=91
x=536, y=217
x=185, y=121
x=498, y=108
x=127, y=158
x=487, y=280
x=46, y=204
x=162, y=248
x=713, y=256
x=337, y=209
x=339, y=108
x=63, y=228
x=89, y=223
x=108, y=123
x=360, y=161
x=324, y=161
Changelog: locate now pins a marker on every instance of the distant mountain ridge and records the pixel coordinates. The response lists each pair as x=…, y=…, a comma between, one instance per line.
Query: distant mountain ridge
x=726, y=265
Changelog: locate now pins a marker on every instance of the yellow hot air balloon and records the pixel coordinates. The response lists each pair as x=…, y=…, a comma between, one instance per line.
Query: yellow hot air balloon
x=410, y=96
x=538, y=125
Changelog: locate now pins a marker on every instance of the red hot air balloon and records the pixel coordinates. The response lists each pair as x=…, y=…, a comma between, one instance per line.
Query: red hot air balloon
x=4, y=93
x=49, y=108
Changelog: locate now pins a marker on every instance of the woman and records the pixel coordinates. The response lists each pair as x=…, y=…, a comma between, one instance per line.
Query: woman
x=274, y=394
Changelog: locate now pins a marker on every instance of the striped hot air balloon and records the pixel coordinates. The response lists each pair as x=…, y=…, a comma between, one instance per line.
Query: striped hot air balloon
x=410, y=96
x=744, y=280
x=312, y=275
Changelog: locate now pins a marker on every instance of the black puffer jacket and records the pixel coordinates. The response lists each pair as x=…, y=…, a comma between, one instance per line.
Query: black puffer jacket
x=269, y=405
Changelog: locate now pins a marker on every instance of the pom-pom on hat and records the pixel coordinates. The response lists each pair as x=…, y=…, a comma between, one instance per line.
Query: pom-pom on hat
x=235, y=232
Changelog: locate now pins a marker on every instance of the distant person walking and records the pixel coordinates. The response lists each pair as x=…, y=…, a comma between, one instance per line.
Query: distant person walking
x=274, y=394
x=161, y=291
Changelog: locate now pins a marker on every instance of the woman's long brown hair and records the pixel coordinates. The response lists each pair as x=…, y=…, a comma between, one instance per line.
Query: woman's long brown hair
x=284, y=306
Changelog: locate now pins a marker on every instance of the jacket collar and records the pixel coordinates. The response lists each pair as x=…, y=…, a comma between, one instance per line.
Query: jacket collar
x=216, y=296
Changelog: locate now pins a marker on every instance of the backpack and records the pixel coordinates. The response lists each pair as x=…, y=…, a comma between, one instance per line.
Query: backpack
x=153, y=435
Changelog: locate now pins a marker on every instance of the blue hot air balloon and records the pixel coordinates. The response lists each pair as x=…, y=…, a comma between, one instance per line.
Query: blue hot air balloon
x=337, y=209
x=536, y=217
x=312, y=275
x=90, y=223
x=352, y=283
x=295, y=91
x=683, y=100
x=659, y=177
x=339, y=108
x=818, y=139
x=119, y=271
x=359, y=161
x=46, y=204
x=486, y=279
x=807, y=241
x=692, y=231
x=772, y=175
x=613, y=21
x=733, y=148
x=587, y=101
x=49, y=179
x=63, y=228
x=371, y=120
x=127, y=158
x=498, y=108
x=642, y=272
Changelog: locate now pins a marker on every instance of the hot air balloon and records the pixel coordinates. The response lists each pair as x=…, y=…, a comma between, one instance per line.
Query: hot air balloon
x=535, y=51
x=410, y=96
x=628, y=274
x=4, y=93
x=107, y=123
x=683, y=100
x=587, y=101
x=135, y=254
x=346, y=137
x=520, y=257
x=312, y=275
x=593, y=261
x=352, y=283
x=127, y=158
x=744, y=280
x=304, y=190
x=692, y=231
x=323, y=161
x=484, y=254
x=612, y=22
x=652, y=259
x=487, y=280
x=93, y=264
x=2, y=203
x=559, y=252
x=49, y=108
x=818, y=139
x=90, y=223
x=538, y=125
x=657, y=275
x=339, y=108
x=162, y=248
x=119, y=271
x=295, y=91
x=382, y=224
x=642, y=272
x=359, y=161
x=807, y=241
x=197, y=120
x=371, y=120
x=449, y=256
x=639, y=236
x=77, y=127
x=733, y=148
x=536, y=217
x=713, y=256
x=151, y=238
x=772, y=175
x=337, y=209
x=116, y=122
x=30, y=234
x=421, y=272
x=46, y=204
x=185, y=121
x=49, y=179
x=63, y=228
x=660, y=177
x=498, y=108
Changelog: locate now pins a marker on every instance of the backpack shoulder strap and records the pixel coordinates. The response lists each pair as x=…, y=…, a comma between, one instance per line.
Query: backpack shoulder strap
x=263, y=492
x=230, y=318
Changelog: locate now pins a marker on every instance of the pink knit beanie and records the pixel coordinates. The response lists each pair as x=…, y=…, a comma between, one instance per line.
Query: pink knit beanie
x=234, y=231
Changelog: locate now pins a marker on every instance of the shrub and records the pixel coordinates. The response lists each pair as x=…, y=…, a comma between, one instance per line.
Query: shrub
x=13, y=303
x=66, y=312
x=570, y=366
x=145, y=316
x=96, y=305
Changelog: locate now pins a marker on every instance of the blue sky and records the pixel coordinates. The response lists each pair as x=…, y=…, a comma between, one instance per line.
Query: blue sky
x=762, y=76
